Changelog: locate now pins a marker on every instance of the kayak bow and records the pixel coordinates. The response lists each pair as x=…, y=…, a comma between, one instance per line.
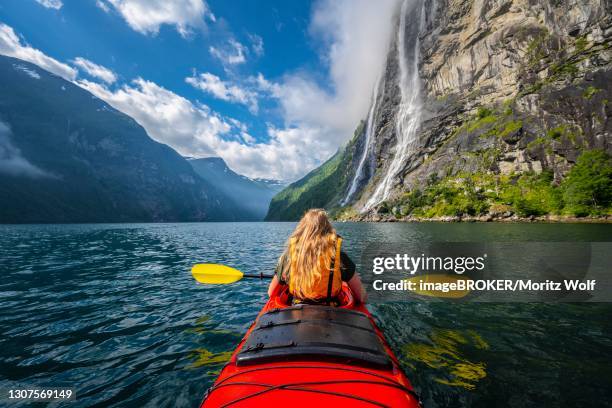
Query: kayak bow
x=312, y=356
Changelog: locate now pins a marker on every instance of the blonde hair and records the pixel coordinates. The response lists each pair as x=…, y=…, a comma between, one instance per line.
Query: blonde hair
x=315, y=239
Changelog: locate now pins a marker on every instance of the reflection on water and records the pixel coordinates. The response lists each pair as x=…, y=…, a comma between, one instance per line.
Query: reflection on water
x=532, y=354
x=211, y=334
x=113, y=311
x=443, y=353
x=204, y=357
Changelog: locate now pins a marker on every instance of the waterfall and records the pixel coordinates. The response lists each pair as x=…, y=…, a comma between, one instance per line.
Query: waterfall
x=409, y=110
x=367, y=148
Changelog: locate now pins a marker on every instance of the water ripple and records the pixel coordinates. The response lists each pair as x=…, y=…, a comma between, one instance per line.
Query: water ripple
x=113, y=311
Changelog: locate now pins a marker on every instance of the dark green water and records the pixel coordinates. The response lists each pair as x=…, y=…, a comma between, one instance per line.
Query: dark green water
x=113, y=311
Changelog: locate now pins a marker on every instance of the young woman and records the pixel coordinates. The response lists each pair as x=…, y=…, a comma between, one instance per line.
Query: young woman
x=314, y=265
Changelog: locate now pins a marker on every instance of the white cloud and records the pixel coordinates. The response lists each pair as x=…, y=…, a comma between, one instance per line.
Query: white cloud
x=12, y=161
x=193, y=130
x=230, y=54
x=356, y=35
x=54, y=4
x=95, y=70
x=213, y=85
x=316, y=119
x=167, y=117
x=264, y=85
x=257, y=44
x=30, y=72
x=11, y=45
x=287, y=155
x=102, y=5
x=247, y=138
x=146, y=16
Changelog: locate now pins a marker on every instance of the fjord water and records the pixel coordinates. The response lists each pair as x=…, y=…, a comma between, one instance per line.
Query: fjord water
x=113, y=311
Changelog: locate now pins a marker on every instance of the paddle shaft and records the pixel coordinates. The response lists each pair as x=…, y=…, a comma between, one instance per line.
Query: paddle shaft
x=257, y=275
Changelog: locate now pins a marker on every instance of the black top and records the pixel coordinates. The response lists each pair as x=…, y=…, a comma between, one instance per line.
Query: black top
x=347, y=267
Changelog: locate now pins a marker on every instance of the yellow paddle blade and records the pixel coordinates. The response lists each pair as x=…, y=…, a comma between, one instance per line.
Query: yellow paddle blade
x=215, y=274
x=438, y=286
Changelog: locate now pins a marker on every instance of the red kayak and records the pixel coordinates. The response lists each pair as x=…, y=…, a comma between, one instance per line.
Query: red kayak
x=312, y=356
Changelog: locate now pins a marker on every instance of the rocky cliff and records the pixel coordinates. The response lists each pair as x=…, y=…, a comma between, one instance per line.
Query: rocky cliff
x=484, y=107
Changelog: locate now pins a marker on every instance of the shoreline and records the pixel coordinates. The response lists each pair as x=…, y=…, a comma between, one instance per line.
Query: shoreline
x=544, y=219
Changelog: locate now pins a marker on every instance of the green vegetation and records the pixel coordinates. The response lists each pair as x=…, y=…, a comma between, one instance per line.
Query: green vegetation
x=537, y=49
x=551, y=62
x=540, y=141
x=493, y=121
x=510, y=127
x=476, y=193
x=562, y=66
x=344, y=213
x=557, y=133
x=581, y=43
x=586, y=190
x=583, y=192
x=590, y=92
x=319, y=188
x=483, y=112
x=563, y=69
x=483, y=117
x=315, y=190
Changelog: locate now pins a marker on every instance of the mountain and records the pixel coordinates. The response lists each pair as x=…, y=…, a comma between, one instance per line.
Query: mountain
x=272, y=184
x=322, y=187
x=251, y=197
x=67, y=156
x=483, y=108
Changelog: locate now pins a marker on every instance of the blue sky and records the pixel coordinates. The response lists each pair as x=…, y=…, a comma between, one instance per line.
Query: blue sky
x=273, y=87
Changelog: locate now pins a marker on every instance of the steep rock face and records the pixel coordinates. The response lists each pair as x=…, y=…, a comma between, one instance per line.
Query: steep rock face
x=540, y=73
x=67, y=156
x=505, y=87
x=484, y=45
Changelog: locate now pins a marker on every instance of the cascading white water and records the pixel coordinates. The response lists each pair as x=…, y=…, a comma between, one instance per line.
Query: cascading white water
x=367, y=148
x=409, y=110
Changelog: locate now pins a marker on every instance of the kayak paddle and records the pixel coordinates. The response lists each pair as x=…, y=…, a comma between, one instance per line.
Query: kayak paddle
x=221, y=274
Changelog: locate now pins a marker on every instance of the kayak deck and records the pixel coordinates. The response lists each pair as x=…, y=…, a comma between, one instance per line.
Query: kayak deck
x=313, y=331
x=311, y=355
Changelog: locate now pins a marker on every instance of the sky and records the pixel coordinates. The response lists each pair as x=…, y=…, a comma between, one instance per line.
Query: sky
x=273, y=87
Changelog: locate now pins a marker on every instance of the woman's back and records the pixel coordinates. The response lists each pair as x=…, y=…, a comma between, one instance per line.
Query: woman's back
x=313, y=263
